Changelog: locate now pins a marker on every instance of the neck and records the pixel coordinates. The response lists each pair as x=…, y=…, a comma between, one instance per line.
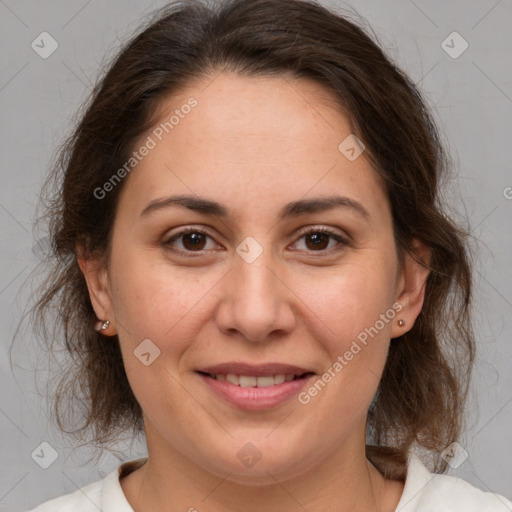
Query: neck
x=345, y=481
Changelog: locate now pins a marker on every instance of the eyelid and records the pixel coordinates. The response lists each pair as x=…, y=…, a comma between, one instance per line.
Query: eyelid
x=343, y=240
x=319, y=228
x=184, y=231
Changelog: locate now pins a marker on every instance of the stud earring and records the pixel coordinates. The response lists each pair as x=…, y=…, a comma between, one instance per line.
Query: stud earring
x=102, y=325
x=401, y=323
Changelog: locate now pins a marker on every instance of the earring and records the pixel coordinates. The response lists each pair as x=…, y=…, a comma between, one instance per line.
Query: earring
x=401, y=323
x=102, y=325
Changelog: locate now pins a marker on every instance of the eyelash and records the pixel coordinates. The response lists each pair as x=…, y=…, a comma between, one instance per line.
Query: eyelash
x=342, y=242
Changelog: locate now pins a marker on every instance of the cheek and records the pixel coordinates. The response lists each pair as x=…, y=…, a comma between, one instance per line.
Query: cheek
x=160, y=301
x=353, y=314
x=152, y=295
x=350, y=299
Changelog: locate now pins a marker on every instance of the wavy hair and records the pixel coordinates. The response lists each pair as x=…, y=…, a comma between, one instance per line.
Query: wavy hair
x=421, y=396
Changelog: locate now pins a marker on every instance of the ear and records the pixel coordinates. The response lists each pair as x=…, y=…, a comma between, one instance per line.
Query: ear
x=96, y=277
x=410, y=291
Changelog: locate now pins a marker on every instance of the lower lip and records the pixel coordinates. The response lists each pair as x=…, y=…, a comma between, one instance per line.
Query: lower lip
x=256, y=399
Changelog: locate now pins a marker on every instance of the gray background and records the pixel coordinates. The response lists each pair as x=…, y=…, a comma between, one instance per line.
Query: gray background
x=472, y=99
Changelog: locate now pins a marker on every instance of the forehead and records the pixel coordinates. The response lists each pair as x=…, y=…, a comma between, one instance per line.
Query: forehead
x=245, y=111
x=252, y=141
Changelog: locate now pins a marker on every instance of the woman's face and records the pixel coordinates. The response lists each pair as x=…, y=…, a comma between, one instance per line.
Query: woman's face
x=254, y=288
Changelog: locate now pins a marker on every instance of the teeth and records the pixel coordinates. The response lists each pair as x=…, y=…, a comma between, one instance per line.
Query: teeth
x=266, y=382
x=233, y=379
x=247, y=382
x=250, y=381
x=279, y=379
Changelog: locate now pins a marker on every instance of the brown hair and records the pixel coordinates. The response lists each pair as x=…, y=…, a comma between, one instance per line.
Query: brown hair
x=421, y=396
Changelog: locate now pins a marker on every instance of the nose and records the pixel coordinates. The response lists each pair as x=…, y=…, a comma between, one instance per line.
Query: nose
x=256, y=302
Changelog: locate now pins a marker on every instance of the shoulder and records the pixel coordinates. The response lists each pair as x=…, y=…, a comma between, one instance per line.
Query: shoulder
x=425, y=491
x=105, y=495
x=86, y=499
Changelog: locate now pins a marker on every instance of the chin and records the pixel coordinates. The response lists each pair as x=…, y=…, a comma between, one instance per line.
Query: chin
x=259, y=467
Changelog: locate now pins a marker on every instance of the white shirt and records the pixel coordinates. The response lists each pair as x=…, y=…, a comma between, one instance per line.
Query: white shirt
x=423, y=492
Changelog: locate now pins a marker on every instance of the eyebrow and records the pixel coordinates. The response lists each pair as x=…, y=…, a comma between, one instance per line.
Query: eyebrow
x=293, y=209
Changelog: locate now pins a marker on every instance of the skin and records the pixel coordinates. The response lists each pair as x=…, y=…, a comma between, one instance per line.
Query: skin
x=254, y=144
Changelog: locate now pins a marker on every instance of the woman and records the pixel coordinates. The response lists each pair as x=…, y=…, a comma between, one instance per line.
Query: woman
x=254, y=270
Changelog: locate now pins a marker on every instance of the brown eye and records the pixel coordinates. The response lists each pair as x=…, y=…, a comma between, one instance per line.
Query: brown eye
x=315, y=240
x=319, y=240
x=190, y=240
x=193, y=241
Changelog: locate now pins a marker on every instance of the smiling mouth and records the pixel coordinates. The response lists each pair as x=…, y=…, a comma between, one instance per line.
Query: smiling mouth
x=252, y=381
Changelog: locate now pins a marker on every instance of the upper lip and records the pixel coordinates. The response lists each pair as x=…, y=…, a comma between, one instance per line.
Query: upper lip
x=257, y=370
